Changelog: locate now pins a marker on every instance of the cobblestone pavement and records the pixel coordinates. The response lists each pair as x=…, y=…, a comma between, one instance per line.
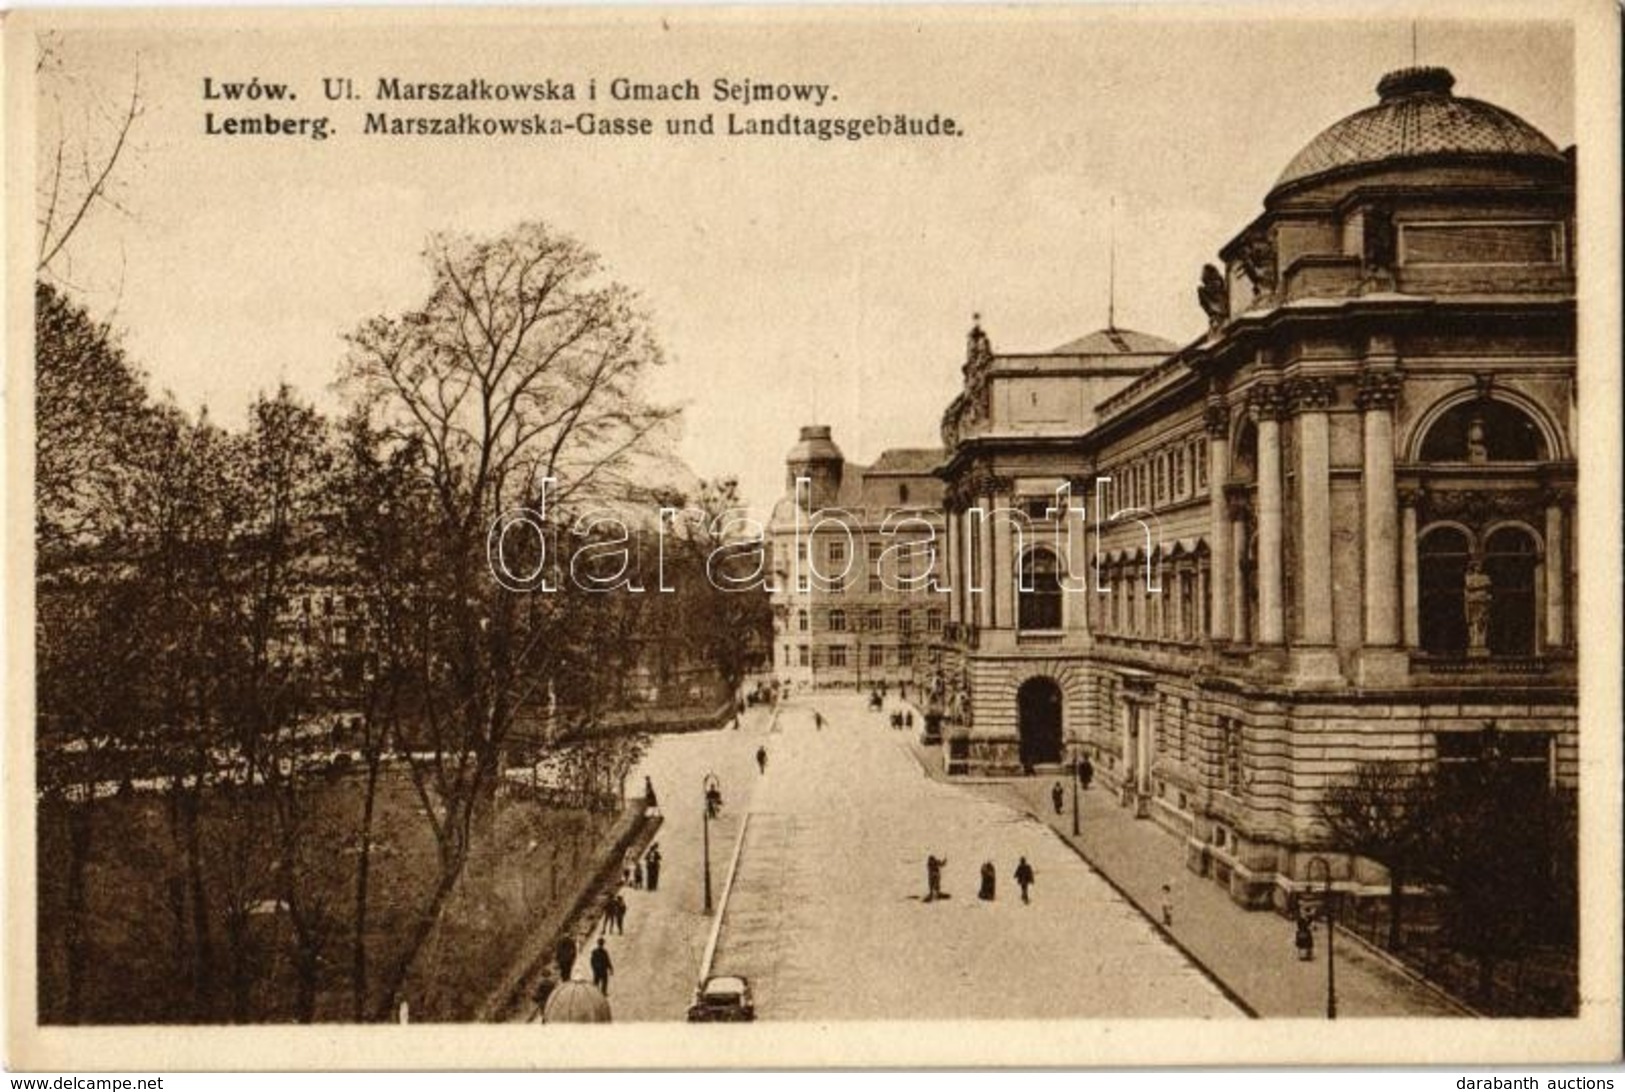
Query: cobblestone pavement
x=827, y=917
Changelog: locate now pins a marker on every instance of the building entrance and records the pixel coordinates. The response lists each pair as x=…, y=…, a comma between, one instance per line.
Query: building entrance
x=1039, y=704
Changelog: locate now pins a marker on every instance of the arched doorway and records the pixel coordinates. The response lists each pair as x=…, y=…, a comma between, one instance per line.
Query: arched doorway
x=1039, y=705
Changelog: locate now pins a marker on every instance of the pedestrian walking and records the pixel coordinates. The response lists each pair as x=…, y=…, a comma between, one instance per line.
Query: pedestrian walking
x=990, y=878
x=637, y=875
x=620, y=914
x=1305, y=939
x=1168, y=904
x=761, y=759
x=651, y=867
x=933, y=877
x=602, y=967
x=818, y=721
x=1086, y=772
x=1057, y=796
x=1024, y=878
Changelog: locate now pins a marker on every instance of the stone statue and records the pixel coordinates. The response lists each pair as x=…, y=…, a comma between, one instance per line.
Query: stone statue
x=1477, y=597
x=1478, y=449
x=1213, y=296
x=1258, y=263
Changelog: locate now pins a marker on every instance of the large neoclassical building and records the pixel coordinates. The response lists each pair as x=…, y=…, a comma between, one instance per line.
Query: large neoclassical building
x=1339, y=526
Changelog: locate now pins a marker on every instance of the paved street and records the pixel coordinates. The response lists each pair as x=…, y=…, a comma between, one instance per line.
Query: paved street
x=827, y=916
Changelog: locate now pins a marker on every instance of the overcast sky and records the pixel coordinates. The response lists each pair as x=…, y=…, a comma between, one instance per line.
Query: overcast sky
x=790, y=281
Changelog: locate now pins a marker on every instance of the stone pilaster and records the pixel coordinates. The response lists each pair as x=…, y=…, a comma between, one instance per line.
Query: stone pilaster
x=1410, y=580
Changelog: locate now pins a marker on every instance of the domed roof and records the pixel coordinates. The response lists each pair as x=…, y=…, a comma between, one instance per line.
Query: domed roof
x=815, y=446
x=1417, y=116
x=1113, y=341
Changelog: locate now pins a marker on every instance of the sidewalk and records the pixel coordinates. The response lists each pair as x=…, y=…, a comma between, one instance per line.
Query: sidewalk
x=1250, y=952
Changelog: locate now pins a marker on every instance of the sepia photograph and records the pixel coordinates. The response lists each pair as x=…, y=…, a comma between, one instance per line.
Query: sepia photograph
x=933, y=536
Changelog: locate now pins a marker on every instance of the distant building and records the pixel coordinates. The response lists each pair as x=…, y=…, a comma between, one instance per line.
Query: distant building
x=853, y=556
x=1351, y=513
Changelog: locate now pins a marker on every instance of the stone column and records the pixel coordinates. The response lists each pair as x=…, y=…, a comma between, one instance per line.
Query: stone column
x=1217, y=419
x=1556, y=569
x=1271, y=622
x=1004, y=579
x=984, y=565
x=949, y=555
x=1311, y=398
x=1378, y=392
x=1410, y=579
x=1382, y=662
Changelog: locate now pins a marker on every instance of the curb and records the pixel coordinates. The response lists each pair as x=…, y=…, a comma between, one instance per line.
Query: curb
x=1405, y=970
x=722, y=904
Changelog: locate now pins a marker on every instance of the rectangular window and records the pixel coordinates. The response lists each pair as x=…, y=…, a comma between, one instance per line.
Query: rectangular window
x=837, y=655
x=933, y=621
x=877, y=656
x=803, y=657
x=905, y=622
x=905, y=656
x=875, y=587
x=871, y=621
x=836, y=552
x=874, y=551
x=1230, y=753
x=1201, y=465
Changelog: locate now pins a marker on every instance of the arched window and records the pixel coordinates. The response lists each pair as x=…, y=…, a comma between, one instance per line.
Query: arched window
x=1484, y=432
x=1442, y=576
x=1510, y=556
x=1039, y=595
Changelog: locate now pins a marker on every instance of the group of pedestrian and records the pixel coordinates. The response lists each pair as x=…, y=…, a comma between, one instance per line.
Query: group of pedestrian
x=988, y=890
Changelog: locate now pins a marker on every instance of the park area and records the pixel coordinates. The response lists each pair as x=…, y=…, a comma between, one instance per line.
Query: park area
x=142, y=936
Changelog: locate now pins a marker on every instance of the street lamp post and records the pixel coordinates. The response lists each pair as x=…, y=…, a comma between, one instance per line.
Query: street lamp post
x=1077, y=790
x=1326, y=916
x=711, y=790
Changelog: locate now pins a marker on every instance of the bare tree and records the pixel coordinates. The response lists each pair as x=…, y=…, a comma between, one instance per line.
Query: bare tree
x=86, y=141
x=523, y=367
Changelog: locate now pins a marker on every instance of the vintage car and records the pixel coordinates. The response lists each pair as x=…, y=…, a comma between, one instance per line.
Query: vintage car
x=722, y=998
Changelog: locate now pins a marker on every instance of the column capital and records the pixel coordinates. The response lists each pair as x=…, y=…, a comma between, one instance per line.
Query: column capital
x=1379, y=390
x=1311, y=392
x=1412, y=496
x=1216, y=419
x=1268, y=401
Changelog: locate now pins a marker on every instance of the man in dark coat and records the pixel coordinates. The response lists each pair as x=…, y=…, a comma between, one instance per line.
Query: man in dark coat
x=1057, y=796
x=761, y=759
x=933, y=877
x=651, y=868
x=1086, y=771
x=989, y=881
x=1024, y=878
x=602, y=967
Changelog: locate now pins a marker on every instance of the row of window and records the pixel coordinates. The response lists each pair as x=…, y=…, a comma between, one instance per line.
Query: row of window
x=872, y=620
x=836, y=656
x=1175, y=474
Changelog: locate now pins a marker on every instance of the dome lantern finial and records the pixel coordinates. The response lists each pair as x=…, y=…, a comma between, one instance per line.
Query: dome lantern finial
x=1417, y=80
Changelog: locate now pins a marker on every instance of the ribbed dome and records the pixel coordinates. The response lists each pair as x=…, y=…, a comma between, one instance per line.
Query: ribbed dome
x=815, y=446
x=1417, y=116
